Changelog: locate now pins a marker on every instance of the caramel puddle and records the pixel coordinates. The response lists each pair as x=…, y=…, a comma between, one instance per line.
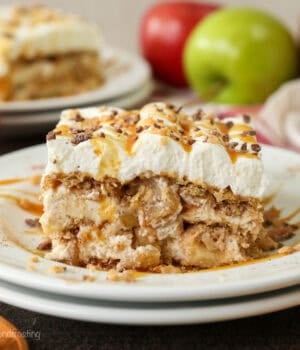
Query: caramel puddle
x=25, y=204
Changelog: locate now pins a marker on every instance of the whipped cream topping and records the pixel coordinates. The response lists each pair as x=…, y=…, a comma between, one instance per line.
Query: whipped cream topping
x=35, y=31
x=160, y=139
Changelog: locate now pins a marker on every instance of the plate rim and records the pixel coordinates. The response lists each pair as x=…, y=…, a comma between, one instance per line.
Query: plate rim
x=230, y=310
x=110, y=291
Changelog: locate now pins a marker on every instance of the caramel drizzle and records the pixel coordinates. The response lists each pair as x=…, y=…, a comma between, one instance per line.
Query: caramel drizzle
x=25, y=204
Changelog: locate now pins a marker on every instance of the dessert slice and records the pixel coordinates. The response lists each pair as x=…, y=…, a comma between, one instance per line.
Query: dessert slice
x=145, y=188
x=44, y=53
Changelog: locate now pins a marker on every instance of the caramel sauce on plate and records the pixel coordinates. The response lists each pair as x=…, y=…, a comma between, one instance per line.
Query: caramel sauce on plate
x=25, y=204
x=12, y=181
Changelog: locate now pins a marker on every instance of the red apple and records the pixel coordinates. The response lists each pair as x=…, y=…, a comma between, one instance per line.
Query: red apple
x=164, y=30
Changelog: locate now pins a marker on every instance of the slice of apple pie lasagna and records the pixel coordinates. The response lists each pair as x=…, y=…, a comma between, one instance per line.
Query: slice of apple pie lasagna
x=146, y=188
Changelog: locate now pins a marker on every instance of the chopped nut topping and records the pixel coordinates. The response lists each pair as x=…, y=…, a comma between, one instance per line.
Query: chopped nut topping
x=78, y=117
x=249, y=133
x=190, y=142
x=198, y=115
x=246, y=118
x=244, y=147
x=174, y=137
x=102, y=134
x=45, y=245
x=229, y=124
x=255, y=147
x=233, y=145
x=81, y=137
x=178, y=109
x=139, y=129
x=225, y=138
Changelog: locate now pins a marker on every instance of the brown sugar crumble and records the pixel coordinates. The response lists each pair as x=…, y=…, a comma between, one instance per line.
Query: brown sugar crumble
x=32, y=222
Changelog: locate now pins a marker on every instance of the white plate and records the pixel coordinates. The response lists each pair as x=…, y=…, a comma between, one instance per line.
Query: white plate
x=226, y=282
x=43, y=121
x=127, y=73
x=145, y=314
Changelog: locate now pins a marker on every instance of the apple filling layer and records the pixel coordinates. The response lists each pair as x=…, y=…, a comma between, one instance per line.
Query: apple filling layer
x=148, y=222
x=59, y=75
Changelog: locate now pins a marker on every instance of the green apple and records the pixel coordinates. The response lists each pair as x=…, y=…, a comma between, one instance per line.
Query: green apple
x=239, y=56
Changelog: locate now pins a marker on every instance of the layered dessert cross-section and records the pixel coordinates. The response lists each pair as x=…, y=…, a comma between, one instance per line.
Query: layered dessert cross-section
x=153, y=187
x=44, y=53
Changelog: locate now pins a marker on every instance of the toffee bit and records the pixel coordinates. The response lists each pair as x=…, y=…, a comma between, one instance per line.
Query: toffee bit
x=197, y=115
x=32, y=222
x=75, y=230
x=78, y=117
x=244, y=147
x=249, y=133
x=113, y=113
x=118, y=129
x=139, y=129
x=170, y=106
x=174, y=137
x=255, y=147
x=225, y=138
x=178, y=109
x=81, y=137
x=45, y=245
x=51, y=135
x=246, y=118
x=229, y=124
x=233, y=145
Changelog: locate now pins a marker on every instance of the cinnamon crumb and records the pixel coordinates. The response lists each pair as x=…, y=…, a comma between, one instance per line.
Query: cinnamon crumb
x=89, y=278
x=125, y=276
x=56, y=269
x=30, y=267
x=33, y=259
x=32, y=222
